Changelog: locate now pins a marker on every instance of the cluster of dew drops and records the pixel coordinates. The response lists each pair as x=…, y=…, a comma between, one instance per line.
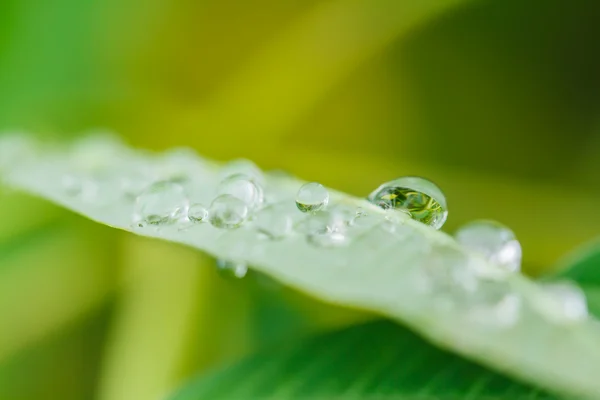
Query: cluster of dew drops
x=239, y=199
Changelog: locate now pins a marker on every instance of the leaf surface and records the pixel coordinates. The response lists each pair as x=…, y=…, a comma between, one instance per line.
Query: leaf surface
x=398, y=268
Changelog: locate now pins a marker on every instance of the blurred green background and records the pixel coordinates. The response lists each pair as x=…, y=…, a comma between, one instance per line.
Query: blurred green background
x=496, y=101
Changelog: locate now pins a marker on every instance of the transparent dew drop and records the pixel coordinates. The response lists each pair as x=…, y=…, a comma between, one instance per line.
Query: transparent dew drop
x=81, y=187
x=417, y=197
x=197, y=213
x=326, y=229
x=493, y=241
x=318, y=222
x=245, y=167
x=232, y=269
x=228, y=212
x=244, y=188
x=494, y=305
x=567, y=302
x=132, y=186
x=363, y=220
x=328, y=238
x=446, y=276
x=161, y=203
x=275, y=222
x=312, y=197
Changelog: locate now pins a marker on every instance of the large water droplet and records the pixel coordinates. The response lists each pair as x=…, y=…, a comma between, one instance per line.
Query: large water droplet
x=418, y=197
x=227, y=212
x=244, y=188
x=567, y=302
x=232, y=268
x=274, y=221
x=312, y=197
x=161, y=203
x=197, y=213
x=492, y=240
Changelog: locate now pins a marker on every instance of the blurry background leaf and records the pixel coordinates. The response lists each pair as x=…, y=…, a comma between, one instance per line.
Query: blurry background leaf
x=495, y=101
x=371, y=361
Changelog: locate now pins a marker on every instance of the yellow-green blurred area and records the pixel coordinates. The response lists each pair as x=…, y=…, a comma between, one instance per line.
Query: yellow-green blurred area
x=496, y=101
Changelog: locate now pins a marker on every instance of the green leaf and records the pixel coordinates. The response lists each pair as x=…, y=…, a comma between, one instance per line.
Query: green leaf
x=372, y=361
x=399, y=268
x=583, y=267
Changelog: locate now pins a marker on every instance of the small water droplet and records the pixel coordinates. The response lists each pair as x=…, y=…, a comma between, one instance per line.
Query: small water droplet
x=197, y=213
x=274, y=221
x=133, y=185
x=447, y=275
x=161, y=203
x=494, y=305
x=568, y=302
x=244, y=188
x=312, y=197
x=81, y=187
x=365, y=220
x=418, y=197
x=325, y=229
x=328, y=238
x=232, y=269
x=243, y=166
x=227, y=212
x=492, y=240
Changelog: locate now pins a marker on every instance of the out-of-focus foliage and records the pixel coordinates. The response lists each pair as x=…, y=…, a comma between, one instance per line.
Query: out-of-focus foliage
x=396, y=364
x=495, y=101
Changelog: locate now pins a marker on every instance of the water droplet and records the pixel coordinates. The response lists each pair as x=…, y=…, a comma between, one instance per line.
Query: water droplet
x=325, y=229
x=197, y=213
x=494, y=304
x=232, y=269
x=492, y=240
x=418, y=197
x=161, y=203
x=447, y=275
x=567, y=302
x=82, y=187
x=227, y=212
x=133, y=185
x=312, y=197
x=274, y=221
x=328, y=238
x=245, y=167
x=364, y=220
x=244, y=188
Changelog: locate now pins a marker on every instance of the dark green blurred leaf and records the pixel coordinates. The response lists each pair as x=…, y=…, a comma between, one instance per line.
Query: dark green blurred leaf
x=375, y=360
x=583, y=267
